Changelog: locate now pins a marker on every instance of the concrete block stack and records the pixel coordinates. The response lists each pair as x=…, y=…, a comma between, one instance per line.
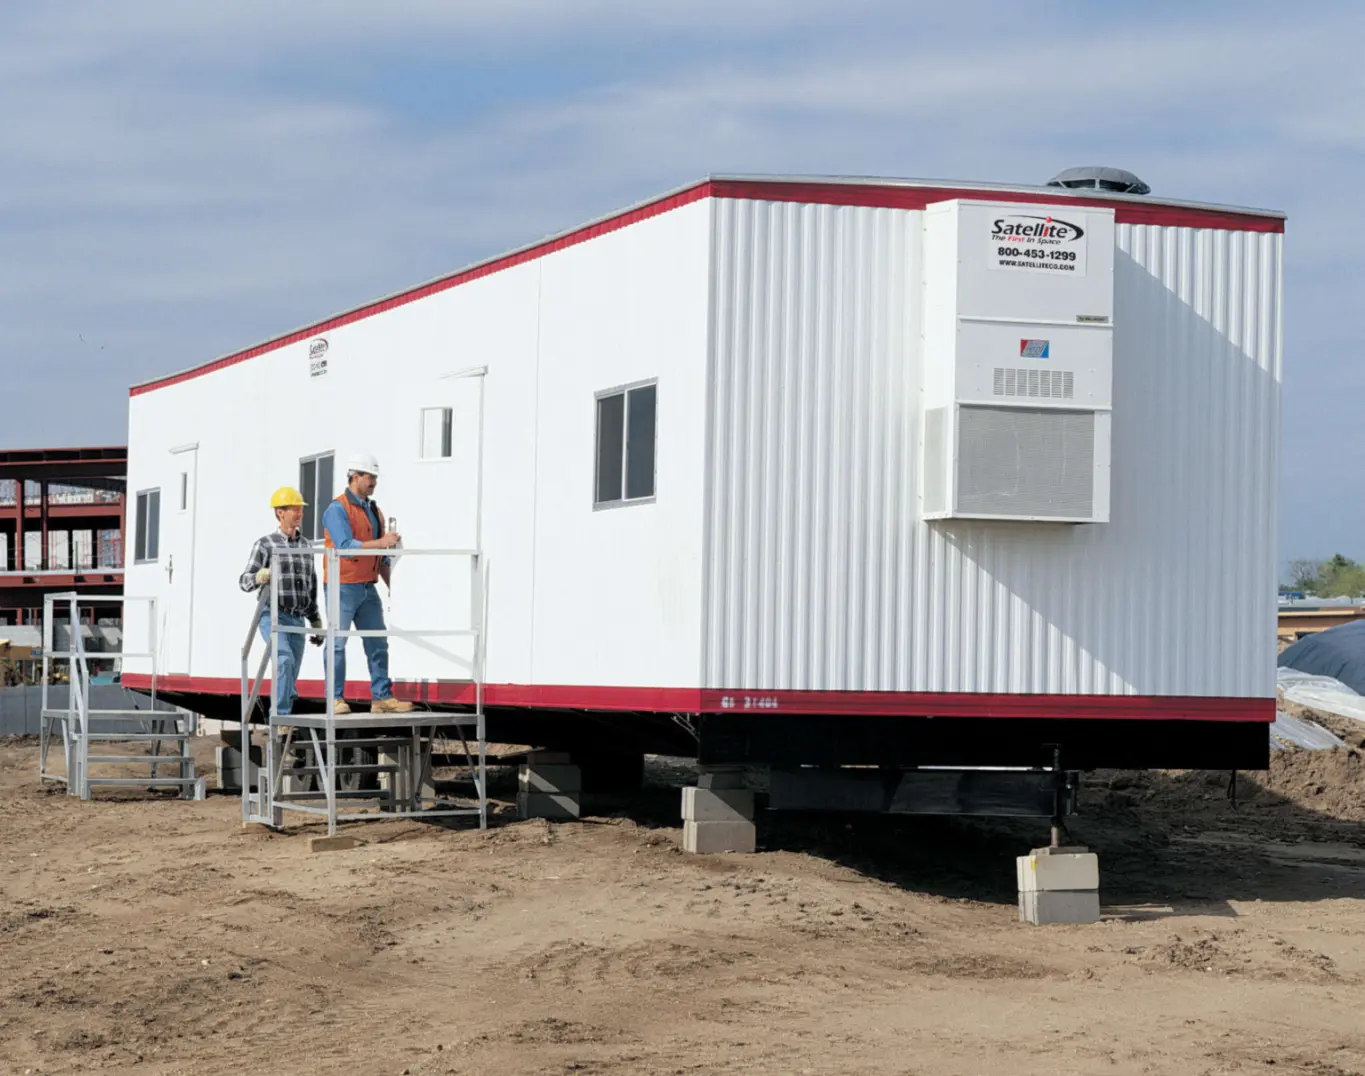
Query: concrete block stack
x=718, y=815
x=549, y=786
x=228, y=763
x=1059, y=885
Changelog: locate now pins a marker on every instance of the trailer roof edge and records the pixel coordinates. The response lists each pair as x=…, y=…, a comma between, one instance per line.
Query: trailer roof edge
x=830, y=190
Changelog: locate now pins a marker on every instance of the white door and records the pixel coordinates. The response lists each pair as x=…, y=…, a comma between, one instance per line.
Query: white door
x=176, y=630
x=442, y=494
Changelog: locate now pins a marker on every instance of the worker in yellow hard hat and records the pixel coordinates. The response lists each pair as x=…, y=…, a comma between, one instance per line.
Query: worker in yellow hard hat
x=284, y=558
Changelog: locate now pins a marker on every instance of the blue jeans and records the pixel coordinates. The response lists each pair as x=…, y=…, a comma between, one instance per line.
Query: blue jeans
x=360, y=606
x=291, y=656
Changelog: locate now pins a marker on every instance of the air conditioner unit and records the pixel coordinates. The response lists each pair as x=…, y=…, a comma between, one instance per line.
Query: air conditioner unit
x=1018, y=361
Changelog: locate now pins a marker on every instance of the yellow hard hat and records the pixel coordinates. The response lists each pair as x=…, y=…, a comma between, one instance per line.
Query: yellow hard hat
x=286, y=497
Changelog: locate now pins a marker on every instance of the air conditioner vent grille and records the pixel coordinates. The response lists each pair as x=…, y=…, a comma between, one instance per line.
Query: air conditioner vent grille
x=1035, y=383
x=1015, y=461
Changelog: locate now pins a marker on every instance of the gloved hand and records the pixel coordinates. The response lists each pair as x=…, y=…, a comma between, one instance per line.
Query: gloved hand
x=316, y=625
x=263, y=577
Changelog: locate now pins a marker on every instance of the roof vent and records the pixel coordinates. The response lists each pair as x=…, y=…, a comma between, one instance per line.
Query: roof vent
x=1093, y=177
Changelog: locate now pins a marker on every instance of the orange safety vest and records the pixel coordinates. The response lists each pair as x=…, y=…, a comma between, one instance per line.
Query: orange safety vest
x=357, y=569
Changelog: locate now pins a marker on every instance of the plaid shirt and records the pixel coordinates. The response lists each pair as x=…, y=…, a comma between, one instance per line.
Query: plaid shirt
x=291, y=570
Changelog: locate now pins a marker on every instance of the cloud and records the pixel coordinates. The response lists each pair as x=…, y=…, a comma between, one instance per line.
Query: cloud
x=80, y=29
x=187, y=179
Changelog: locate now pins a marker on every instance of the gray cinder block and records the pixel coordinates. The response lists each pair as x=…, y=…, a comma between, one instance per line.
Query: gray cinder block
x=721, y=778
x=1046, y=870
x=556, y=778
x=703, y=838
x=1044, y=907
x=552, y=805
x=228, y=763
x=723, y=805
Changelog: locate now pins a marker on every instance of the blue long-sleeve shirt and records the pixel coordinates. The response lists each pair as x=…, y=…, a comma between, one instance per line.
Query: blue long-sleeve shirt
x=338, y=525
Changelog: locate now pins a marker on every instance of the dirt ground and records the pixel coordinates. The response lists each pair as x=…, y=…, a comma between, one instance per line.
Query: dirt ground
x=144, y=935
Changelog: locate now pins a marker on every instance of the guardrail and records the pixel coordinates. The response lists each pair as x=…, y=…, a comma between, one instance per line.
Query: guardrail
x=400, y=744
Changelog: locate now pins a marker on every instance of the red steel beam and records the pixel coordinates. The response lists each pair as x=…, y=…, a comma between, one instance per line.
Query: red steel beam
x=42, y=515
x=19, y=564
x=12, y=585
x=75, y=511
x=57, y=464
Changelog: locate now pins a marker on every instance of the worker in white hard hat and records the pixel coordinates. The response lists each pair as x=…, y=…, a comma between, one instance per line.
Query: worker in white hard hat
x=285, y=556
x=354, y=521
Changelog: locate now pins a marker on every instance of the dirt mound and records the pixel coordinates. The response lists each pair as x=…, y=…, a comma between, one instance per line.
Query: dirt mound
x=1322, y=786
x=1236, y=952
x=1204, y=952
x=1328, y=782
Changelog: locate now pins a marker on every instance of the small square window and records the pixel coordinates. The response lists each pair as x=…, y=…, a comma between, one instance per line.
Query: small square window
x=438, y=425
x=147, y=536
x=626, y=436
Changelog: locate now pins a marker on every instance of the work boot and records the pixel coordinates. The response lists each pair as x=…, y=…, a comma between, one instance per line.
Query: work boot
x=391, y=706
x=341, y=707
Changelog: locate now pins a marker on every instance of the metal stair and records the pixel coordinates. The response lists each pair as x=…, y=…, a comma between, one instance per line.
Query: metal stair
x=79, y=725
x=311, y=763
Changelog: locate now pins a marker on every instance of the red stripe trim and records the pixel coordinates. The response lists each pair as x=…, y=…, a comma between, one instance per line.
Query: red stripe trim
x=849, y=194
x=693, y=700
x=970, y=704
x=897, y=197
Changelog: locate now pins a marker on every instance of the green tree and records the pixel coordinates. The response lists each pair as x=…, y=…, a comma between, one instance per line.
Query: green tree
x=1305, y=575
x=1341, y=577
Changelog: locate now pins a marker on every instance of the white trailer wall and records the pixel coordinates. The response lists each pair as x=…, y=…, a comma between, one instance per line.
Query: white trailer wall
x=786, y=548
x=617, y=590
x=820, y=573
x=578, y=597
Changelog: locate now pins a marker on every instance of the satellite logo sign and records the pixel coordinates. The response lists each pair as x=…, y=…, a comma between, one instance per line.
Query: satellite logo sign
x=1024, y=226
x=1037, y=243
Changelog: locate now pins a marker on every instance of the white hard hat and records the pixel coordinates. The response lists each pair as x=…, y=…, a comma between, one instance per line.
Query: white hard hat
x=362, y=461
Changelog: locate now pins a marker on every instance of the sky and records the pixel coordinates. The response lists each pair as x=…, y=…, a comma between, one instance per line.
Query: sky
x=178, y=181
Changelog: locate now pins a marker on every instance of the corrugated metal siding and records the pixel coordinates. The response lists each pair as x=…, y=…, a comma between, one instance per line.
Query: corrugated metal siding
x=820, y=574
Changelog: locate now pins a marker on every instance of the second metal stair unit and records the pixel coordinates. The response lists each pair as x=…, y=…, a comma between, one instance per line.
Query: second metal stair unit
x=81, y=726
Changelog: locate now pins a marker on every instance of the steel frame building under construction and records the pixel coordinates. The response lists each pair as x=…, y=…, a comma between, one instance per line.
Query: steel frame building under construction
x=62, y=515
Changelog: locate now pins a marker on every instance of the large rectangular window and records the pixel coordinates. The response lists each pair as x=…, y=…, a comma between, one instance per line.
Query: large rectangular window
x=626, y=429
x=315, y=483
x=147, y=536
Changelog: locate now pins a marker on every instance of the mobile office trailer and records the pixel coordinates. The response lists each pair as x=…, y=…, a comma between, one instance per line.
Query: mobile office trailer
x=788, y=471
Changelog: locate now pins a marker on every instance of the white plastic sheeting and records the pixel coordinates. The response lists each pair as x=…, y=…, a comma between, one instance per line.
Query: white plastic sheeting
x=1323, y=693
x=1290, y=731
